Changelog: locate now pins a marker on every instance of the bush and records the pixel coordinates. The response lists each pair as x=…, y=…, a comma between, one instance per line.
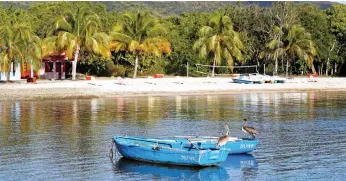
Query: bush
x=96, y=66
x=116, y=70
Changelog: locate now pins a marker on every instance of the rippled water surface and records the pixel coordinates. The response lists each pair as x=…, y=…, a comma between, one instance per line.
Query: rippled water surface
x=303, y=136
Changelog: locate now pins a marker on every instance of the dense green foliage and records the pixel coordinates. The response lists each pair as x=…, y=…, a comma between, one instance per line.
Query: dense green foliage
x=288, y=38
x=220, y=41
x=140, y=34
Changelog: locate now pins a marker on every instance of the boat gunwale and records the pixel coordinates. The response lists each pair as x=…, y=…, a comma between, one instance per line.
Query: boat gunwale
x=158, y=142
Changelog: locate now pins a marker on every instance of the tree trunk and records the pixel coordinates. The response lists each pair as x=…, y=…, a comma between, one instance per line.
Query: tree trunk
x=339, y=70
x=313, y=68
x=321, y=69
x=327, y=67
x=287, y=68
x=282, y=64
x=9, y=72
x=213, y=73
x=276, y=60
x=74, y=63
x=31, y=70
x=136, y=66
x=8, y=76
x=276, y=65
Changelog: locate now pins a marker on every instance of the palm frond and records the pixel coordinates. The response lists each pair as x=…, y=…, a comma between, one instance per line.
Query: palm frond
x=62, y=24
x=157, y=31
x=64, y=38
x=120, y=37
x=205, y=31
x=212, y=42
x=203, y=51
x=99, y=44
x=71, y=47
x=134, y=46
x=229, y=57
x=218, y=53
x=273, y=44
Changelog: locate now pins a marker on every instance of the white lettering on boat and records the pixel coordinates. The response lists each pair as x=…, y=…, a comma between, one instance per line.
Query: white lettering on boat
x=214, y=157
x=247, y=146
x=184, y=157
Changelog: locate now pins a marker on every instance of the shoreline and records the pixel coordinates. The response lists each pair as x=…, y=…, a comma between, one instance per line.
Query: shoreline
x=108, y=88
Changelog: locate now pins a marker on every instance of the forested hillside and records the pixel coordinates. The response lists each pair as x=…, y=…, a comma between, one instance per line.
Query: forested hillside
x=110, y=38
x=170, y=7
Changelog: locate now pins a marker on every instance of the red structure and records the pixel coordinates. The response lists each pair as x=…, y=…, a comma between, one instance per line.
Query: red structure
x=25, y=73
x=54, y=66
x=158, y=76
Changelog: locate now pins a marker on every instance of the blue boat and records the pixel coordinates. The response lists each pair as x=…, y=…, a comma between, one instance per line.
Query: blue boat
x=242, y=79
x=176, y=151
x=243, y=145
x=233, y=146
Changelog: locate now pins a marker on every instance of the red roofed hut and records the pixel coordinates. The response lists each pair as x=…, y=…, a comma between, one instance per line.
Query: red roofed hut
x=54, y=66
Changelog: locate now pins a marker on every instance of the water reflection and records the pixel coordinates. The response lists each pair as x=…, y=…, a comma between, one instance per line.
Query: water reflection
x=69, y=136
x=46, y=116
x=169, y=172
x=165, y=172
x=240, y=161
x=149, y=111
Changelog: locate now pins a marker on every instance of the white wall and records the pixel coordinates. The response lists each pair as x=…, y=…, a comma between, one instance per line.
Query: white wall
x=16, y=76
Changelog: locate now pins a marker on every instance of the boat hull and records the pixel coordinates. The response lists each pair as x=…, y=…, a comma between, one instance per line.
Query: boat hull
x=233, y=146
x=176, y=153
x=243, y=80
x=241, y=146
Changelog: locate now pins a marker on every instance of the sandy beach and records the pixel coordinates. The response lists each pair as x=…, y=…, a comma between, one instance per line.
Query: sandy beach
x=111, y=87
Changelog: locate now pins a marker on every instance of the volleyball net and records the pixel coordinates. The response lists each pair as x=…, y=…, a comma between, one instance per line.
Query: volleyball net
x=226, y=70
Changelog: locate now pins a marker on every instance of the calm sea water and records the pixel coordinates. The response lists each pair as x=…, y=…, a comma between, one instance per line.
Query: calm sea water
x=303, y=136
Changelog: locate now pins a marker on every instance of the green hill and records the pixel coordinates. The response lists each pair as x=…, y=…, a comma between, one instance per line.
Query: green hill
x=165, y=7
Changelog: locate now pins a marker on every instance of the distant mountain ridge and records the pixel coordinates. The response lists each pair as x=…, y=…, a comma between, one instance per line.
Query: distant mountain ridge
x=169, y=7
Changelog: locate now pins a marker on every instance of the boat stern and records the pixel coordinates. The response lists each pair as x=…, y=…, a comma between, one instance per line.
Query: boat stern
x=212, y=156
x=241, y=146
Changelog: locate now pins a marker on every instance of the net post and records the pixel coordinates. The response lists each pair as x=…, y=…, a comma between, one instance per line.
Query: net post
x=187, y=69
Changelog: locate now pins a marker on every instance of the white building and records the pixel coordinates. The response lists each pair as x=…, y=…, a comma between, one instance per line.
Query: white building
x=14, y=75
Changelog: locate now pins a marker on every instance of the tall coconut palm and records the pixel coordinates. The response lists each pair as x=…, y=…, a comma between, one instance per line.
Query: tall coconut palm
x=296, y=43
x=81, y=28
x=38, y=49
x=139, y=33
x=14, y=37
x=19, y=44
x=220, y=40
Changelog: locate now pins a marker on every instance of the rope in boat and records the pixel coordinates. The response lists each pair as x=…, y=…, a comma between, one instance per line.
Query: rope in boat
x=188, y=139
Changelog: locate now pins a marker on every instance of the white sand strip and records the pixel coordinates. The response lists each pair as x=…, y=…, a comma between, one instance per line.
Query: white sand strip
x=106, y=87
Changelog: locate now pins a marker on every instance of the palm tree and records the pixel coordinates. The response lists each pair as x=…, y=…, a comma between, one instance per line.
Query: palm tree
x=81, y=28
x=296, y=43
x=220, y=39
x=38, y=49
x=140, y=33
x=14, y=37
x=19, y=44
